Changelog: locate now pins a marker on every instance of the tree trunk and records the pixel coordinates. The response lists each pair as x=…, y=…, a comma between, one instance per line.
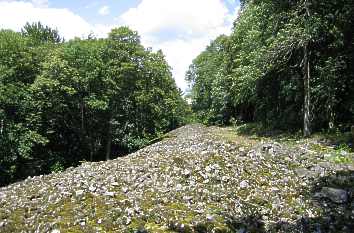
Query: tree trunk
x=307, y=101
x=331, y=116
x=307, y=123
x=82, y=115
x=109, y=140
x=1, y=126
x=91, y=149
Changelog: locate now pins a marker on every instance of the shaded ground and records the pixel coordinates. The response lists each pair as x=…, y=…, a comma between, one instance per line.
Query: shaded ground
x=197, y=179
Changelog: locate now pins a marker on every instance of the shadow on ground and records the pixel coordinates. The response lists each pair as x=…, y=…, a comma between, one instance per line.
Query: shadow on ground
x=332, y=194
x=344, y=136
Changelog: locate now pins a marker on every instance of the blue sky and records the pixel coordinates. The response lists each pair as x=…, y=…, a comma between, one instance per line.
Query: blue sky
x=89, y=10
x=181, y=28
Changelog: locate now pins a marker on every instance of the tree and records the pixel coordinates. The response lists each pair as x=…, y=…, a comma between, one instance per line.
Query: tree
x=64, y=102
x=210, y=89
x=39, y=34
x=18, y=135
x=288, y=65
x=100, y=96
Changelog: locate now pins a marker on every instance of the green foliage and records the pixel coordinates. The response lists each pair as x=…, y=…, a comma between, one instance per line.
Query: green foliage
x=57, y=167
x=64, y=102
x=257, y=74
x=210, y=97
x=340, y=159
x=133, y=144
x=342, y=154
x=343, y=147
x=38, y=33
x=19, y=134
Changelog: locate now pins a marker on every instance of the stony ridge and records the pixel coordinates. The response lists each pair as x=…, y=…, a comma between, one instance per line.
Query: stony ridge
x=198, y=179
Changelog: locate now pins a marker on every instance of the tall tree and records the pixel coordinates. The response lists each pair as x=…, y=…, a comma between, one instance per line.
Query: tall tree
x=288, y=66
x=18, y=132
x=64, y=102
x=307, y=77
x=38, y=33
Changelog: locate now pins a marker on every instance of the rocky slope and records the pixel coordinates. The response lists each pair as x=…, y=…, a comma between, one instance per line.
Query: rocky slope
x=197, y=179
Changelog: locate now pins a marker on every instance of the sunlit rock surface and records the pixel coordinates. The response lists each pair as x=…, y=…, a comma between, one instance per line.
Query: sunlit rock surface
x=198, y=179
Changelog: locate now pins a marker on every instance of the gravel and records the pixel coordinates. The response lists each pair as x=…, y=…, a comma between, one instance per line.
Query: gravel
x=198, y=179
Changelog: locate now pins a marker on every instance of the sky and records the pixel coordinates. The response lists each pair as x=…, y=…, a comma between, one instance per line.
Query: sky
x=180, y=28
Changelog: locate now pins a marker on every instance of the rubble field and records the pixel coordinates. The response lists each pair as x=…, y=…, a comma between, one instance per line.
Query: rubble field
x=197, y=179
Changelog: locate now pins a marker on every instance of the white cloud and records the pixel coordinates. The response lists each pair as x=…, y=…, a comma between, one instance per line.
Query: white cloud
x=180, y=53
x=15, y=14
x=186, y=16
x=104, y=10
x=195, y=22
x=40, y=3
x=181, y=28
